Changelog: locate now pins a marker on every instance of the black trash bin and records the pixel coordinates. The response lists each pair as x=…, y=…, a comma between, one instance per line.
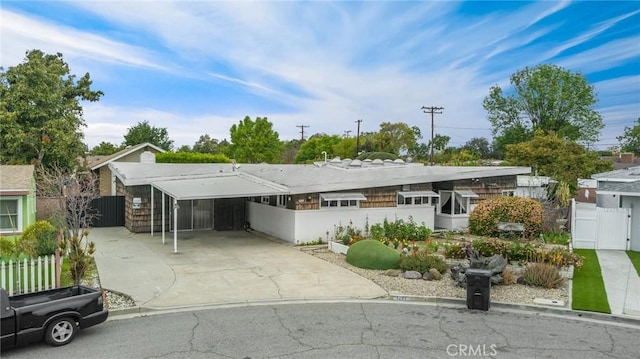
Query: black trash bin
x=478, y=288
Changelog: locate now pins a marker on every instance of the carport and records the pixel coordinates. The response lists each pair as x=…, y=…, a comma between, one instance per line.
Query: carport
x=225, y=185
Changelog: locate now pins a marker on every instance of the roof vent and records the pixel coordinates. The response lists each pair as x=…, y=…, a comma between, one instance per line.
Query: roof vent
x=147, y=157
x=388, y=160
x=336, y=160
x=367, y=160
x=356, y=163
x=399, y=160
x=377, y=161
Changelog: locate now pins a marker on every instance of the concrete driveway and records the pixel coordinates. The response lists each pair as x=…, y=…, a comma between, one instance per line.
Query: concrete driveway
x=217, y=267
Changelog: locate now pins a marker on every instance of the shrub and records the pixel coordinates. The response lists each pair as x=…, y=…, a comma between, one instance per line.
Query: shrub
x=542, y=275
x=400, y=230
x=371, y=254
x=7, y=248
x=422, y=262
x=485, y=217
x=508, y=277
x=455, y=250
x=191, y=157
x=557, y=238
x=39, y=239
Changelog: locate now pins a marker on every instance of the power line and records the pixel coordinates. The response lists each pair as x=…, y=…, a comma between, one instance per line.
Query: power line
x=432, y=110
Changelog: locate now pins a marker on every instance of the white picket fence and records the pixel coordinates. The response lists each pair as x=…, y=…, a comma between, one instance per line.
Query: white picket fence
x=29, y=275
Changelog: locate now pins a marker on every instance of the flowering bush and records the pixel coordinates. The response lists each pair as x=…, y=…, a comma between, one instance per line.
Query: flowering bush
x=455, y=250
x=485, y=217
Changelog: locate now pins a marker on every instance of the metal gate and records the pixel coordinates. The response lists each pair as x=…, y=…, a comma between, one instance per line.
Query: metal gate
x=110, y=211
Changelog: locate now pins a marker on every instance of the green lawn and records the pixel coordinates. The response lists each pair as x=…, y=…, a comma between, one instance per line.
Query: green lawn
x=635, y=259
x=588, y=287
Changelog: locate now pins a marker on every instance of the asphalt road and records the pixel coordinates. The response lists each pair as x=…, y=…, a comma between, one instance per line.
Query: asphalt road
x=347, y=330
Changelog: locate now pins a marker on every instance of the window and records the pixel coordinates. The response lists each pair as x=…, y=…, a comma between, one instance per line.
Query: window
x=10, y=215
x=456, y=202
x=335, y=200
x=418, y=198
x=508, y=192
x=264, y=199
x=282, y=200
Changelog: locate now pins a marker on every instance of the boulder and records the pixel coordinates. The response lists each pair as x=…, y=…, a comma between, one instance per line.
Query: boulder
x=427, y=276
x=411, y=274
x=436, y=275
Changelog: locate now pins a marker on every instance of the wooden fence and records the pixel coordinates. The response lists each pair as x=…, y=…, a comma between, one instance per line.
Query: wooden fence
x=30, y=275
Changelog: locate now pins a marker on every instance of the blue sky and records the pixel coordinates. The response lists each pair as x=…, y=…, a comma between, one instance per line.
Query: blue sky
x=198, y=67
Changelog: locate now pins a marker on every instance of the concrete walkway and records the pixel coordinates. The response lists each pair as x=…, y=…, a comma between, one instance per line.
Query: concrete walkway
x=621, y=281
x=218, y=267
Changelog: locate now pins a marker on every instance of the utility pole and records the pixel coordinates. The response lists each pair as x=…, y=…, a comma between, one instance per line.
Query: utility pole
x=433, y=111
x=302, y=131
x=346, y=133
x=357, y=139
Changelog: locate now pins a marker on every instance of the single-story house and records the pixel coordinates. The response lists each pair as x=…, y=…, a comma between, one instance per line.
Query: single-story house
x=141, y=153
x=613, y=221
x=17, y=199
x=303, y=203
x=533, y=187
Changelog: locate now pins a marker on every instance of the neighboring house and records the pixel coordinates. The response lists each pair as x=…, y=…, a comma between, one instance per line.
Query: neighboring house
x=17, y=199
x=623, y=160
x=99, y=164
x=532, y=187
x=613, y=221
x=303, y=203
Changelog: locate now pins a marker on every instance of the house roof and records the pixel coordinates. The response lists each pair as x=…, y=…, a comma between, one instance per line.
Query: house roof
x=620, y=188
x=15, y=179
x=630, y=174
x=95, y=162
x=319, y=177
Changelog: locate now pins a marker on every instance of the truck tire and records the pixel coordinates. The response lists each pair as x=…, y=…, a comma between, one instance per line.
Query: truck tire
x=60, y=332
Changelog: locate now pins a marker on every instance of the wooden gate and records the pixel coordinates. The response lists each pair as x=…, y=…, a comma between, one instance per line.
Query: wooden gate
x=110, y=210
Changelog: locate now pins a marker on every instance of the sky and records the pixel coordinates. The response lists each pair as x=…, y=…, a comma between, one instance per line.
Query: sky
x=198, y=67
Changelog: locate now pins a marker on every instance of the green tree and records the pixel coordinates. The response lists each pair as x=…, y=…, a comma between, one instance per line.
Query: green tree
x=561, y=159
x=206, y=144
x=143, y=132
x=291, y=149
x=255, y=141
x=630, y=139
x=396, y=137
x=345, y=148
x=184, y=148
x=311, y=150
x=104, y=149
x=511, y=135
x=479, y=146
x=549, y=98
x=41, y=113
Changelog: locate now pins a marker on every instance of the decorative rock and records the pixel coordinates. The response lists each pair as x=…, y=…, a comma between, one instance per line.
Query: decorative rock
x=393, y=272
x=427, y=276
x=521, y=280
x=436, y=275
x=412, y=275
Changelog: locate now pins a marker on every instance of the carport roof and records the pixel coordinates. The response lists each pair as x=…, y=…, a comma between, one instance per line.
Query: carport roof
x=220, y=186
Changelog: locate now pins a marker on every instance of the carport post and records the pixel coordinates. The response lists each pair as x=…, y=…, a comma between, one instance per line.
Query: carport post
x=152, y=205
x=175, y=225
x=163, y=209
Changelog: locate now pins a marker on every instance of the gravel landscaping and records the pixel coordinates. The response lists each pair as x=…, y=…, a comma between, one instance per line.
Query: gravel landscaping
x=515, y=293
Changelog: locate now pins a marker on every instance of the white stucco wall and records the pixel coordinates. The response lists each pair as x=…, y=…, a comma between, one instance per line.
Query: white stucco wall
x=310, y=225
x=458, y=222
